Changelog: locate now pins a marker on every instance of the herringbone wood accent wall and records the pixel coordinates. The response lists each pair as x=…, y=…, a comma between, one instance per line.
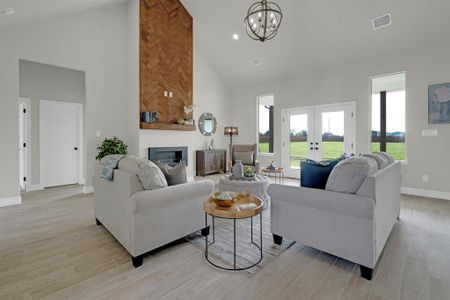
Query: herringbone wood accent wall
x=165, y=58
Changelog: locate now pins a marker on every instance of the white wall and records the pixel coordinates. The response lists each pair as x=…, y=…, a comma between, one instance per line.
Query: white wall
x=103, y=43
x=39, y=81
x=426, y=155
x=94, y=42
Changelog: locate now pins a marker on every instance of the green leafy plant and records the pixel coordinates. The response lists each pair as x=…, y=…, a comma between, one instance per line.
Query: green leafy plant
x=111, y=146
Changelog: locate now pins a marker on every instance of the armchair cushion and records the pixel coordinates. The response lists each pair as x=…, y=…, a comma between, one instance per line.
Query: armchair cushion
x=247, y=158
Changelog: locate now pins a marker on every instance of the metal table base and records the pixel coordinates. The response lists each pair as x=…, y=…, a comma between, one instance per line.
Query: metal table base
x=207, y=244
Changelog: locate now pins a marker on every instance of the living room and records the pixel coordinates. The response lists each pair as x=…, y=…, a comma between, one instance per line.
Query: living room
x=322, y=85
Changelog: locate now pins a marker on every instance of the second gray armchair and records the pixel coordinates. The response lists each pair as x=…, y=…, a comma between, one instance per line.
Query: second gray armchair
x=247, y=154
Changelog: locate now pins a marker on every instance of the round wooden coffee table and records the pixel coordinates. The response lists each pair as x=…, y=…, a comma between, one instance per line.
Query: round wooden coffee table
x=234, y=213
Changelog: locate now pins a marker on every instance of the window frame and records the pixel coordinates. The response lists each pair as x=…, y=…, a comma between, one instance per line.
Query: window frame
x=257, y=126
x=405, y=160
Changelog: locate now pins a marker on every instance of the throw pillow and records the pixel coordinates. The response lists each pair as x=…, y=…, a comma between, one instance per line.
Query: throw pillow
x=386, y=155
x=151, y=176
x=129, y=164
x=174, y=175
x=380, y=159
x=348, y=175
x=315, y=174
x=245, y=157
x=147, y=172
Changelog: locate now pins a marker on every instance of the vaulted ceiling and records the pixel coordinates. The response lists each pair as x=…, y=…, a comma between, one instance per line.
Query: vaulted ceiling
x=314, y=34
x=32, y=10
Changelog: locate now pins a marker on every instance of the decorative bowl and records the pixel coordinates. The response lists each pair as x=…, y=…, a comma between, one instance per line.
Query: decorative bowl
x=218, y=198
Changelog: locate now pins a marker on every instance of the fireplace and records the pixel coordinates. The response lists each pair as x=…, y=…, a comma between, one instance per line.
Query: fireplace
x=169, y=155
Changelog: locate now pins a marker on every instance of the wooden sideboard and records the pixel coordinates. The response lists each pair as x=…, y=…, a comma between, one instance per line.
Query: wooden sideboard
x=211, y=161
x=166, y=58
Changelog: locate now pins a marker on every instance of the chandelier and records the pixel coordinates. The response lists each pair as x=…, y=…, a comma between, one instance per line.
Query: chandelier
x=263, y=20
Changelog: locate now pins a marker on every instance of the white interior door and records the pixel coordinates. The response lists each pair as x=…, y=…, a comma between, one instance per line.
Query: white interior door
x=59, y=140
x=320, y=133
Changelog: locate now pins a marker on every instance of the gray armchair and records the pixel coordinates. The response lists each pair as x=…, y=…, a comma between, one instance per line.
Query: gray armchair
x=239, y=150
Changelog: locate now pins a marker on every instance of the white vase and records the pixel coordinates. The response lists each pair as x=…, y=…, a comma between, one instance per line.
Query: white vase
x=238, y=169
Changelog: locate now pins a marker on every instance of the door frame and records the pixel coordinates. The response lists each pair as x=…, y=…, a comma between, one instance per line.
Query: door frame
x=315, y=127
x=27, y=138
x=79, y=107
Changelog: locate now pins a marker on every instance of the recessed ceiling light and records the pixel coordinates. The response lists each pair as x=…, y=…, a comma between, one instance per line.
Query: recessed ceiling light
x=235, y=36
x=7, y=11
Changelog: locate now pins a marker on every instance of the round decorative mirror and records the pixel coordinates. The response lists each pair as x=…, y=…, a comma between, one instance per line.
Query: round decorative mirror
x=207, y=124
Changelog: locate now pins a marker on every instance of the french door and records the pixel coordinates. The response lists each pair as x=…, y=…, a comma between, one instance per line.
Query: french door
x=321, y=132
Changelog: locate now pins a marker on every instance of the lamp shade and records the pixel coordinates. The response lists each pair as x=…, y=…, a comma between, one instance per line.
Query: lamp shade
x=231, y=131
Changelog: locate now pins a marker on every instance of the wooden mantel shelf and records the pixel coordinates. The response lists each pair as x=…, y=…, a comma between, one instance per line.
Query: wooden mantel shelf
x=167, y=126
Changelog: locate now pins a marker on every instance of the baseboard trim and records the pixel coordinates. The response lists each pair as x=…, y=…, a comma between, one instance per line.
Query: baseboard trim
x=88, y=189
x=425, y=193
x=35, y=187
x=10, y=201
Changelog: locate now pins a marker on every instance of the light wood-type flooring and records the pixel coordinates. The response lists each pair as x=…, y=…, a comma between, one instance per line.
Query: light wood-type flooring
x=50, y=248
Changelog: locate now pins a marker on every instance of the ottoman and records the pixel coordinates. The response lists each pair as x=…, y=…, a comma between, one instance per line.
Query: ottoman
x=256, y=186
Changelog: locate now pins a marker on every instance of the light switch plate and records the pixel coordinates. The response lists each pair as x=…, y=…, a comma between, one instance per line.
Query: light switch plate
x=430, y=132
x=98, y=133
x=425, y=178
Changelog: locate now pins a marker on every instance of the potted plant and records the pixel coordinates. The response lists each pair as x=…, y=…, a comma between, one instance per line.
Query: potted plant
x=249, y=172
x=111, y=146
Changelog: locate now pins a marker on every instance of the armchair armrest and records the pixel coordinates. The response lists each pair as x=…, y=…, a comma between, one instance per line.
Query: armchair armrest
x=152, y=200
x=256, y=167
x=349, y=204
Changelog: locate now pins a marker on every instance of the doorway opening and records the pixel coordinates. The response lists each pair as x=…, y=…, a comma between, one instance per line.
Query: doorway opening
x=52, y=129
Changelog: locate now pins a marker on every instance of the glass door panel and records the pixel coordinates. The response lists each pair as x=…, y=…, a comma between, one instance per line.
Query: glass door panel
x=332, y=134
x=298, y=129
x=298, y=139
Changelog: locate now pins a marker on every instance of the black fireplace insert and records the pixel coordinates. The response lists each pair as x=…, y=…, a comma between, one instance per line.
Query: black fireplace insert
x=169, y=155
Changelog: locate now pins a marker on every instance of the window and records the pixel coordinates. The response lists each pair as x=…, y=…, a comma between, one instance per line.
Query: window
x=388, y=115
x=265, y=124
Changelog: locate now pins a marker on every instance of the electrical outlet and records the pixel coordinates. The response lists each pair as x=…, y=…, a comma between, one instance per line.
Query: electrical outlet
x=425, y=178
x=98, y=133
x=430, y=132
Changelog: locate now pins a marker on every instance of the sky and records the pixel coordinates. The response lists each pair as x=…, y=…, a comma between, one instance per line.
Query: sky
x=331, y=122
x=263, y=119
x=395, y=111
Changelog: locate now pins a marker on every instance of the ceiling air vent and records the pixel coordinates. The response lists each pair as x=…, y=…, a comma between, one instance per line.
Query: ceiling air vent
x=381, y=21
x=255, y=61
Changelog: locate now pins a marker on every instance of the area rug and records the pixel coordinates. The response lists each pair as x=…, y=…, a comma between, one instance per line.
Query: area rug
x=221, y=252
